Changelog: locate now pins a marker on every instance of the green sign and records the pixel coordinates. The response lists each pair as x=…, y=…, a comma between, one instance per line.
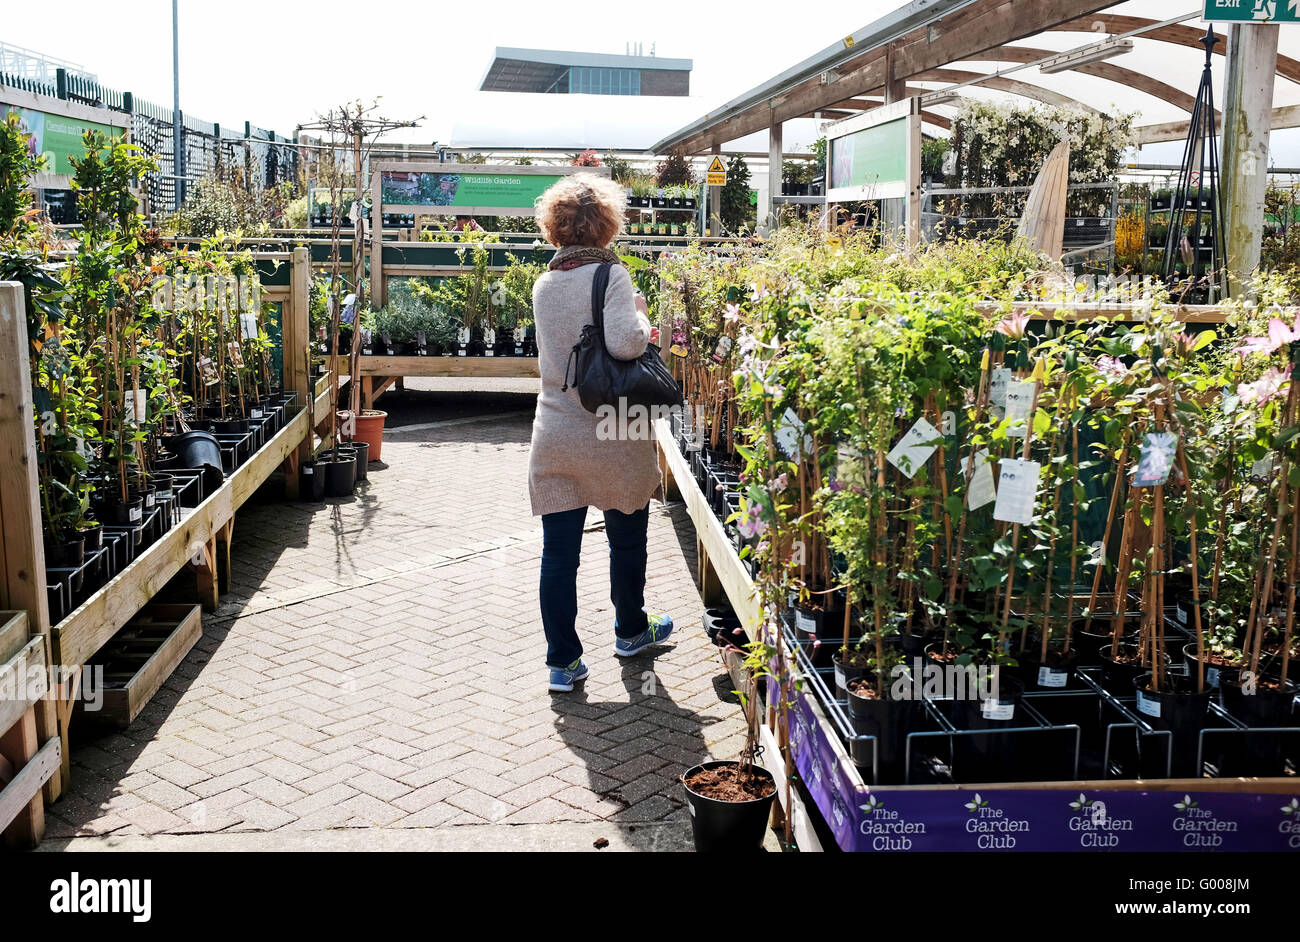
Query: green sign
x=870, y=157
x=1252, y=11
x=430, y=189
x=57, y=137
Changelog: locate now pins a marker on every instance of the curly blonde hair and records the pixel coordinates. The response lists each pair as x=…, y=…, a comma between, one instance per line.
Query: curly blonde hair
x=581, y=209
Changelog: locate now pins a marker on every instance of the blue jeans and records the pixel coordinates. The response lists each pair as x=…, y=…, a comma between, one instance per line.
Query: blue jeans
x=561, y=549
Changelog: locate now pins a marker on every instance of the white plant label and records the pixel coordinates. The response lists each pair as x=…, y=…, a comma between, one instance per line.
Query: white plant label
x=839, y=677
x=994, y=709
x=248, y=324
x=135, y=514
x=1212, y=676
x=1017, y=487
x=998, y=384
x=1148, y=706
x=804, y=622
x=1180, y=615
x=982, y=489
x=787, y=434
x=1019, y=402
x=136, y=407
x=915, y=448
x=1047, y=677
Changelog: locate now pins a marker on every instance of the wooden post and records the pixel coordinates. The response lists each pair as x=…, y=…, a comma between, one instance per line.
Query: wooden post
x=1247, y=118
x=295, y=331
x=912, y=207
x=22, y=583
x=378, y=284
x=715, y=202
x=775, y=143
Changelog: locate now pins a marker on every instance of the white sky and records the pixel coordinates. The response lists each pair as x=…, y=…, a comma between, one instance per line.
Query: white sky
x=279, y=62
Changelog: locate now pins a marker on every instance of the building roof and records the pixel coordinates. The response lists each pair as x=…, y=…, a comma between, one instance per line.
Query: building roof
x=536, y=70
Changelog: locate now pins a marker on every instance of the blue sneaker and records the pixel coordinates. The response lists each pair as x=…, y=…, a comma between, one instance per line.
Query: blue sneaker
x=657, y=630
x=563, y=678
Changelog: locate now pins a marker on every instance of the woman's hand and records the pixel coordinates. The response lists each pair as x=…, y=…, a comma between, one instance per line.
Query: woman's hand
x=642, y=306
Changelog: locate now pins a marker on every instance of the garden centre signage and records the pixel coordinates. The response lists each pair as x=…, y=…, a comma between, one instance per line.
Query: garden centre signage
x=1032, y=819
x=1252, y=11
x=466, y=189
x=57, y=137
x=877, y=156
x=717, y=173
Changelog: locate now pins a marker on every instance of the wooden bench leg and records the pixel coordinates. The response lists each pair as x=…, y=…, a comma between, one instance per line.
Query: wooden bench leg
x=710, y=585
x=18, y=746
x=205, y=574
x=48, y=727
x=225, y=536
x=367, y=393
x=290, y=469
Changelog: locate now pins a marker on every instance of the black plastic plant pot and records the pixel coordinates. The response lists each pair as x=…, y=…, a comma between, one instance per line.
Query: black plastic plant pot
x=720, y=625
x=363, y=459
x=202, y=451
x=808, y=628
x=128, y=514
x=1268, y=705
x=991, y=756
x=66, y=555
x=728, y=826
x=888, y=720
x=1117, y=676
x=845, y=675
x=1055, y=673
x=92, y=537
x=1215, y=674
x=1179, y=708
x=1087, y=645
x=340, y=475
x=311, y=482
x=230, y=426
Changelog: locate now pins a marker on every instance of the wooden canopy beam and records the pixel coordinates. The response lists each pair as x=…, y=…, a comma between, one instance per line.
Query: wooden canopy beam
x=1189, y=36
x=961, y=35
x=1287, y=116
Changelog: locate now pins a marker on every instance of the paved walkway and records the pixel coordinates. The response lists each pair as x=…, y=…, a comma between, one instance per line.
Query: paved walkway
x=378, y=664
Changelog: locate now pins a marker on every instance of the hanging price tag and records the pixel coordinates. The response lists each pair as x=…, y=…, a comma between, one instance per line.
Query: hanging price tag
x=235, y=354
x=248, y=324
x=1017, y=487
x=981, y=490
x=1156, y=460
x=208, y=372
x=787, y=434
x=998, y=384
x=136, y=406
x=1019, y=403
x=915, y=448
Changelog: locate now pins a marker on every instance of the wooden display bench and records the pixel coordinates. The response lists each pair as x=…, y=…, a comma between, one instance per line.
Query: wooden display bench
x=141, y=657
x=200, y=540
x=723, y=574
x=25, y=764
x=378, y=373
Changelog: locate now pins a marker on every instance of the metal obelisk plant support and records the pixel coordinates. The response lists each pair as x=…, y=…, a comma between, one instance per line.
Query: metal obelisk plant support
x=1198, y=174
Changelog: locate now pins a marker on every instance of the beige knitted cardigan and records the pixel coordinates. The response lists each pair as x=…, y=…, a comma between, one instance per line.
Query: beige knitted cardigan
x=570, y=466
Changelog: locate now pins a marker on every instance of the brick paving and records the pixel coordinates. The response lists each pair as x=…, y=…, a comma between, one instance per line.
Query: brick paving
x=377, y=663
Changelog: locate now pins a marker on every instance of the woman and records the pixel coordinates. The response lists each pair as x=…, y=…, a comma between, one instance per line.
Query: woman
x=572, y=467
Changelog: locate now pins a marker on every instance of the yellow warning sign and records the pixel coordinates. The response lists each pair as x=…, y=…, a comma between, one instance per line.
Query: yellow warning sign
x=717, y=173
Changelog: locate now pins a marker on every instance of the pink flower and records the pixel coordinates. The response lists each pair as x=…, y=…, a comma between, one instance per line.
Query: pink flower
x=731, y=313
x=1266, y=387
x=1014, y=326
x=1111, y=367
x=1279, y=335
x=780, y=483
x=751, y=525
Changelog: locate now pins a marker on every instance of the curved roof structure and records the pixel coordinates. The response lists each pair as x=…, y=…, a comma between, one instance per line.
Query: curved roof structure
x=1141, y=56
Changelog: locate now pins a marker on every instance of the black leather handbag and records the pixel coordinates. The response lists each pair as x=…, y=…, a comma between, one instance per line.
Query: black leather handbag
x=602, y=380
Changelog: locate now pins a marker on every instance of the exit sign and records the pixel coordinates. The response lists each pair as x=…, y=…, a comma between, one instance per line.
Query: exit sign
x=1252, y=11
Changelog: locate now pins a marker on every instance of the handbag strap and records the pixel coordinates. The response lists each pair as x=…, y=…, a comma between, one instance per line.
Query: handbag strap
x=599, y=285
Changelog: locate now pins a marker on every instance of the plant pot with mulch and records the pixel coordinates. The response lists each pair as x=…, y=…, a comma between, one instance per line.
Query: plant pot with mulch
x=1053, y=673
x=128, y=513
x=1271, y=704
x=92, y=535
x=369, y=429
x=1220, y=664
x=1120, y=669
x=729, y=807
x=886, y=717
x=1088, y=638
x=850, y=665
x=1179, y=708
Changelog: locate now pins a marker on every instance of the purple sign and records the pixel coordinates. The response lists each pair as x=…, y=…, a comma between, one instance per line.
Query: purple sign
x=1033, y=819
